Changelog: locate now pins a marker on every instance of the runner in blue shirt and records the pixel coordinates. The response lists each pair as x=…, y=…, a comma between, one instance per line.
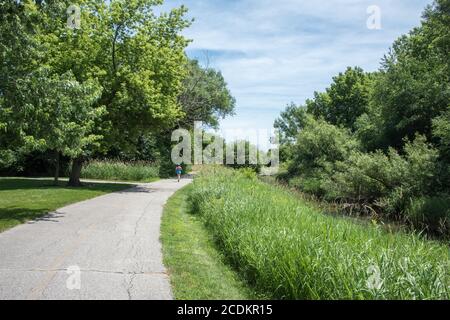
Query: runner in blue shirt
x=179, y=171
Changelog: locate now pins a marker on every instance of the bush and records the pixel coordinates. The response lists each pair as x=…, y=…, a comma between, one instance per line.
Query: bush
x=287, y=249
x=118, y=170
x=441, y=130
x=430, y=213
x=34, y=164
x=390, y=180
x=321, y=144
x=319, y=147
x=328, y=162
x=312, y=183
x=396, y=184
x=7, y=158
x=366, y=177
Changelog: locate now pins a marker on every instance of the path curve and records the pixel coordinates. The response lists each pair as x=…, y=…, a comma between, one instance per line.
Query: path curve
x=113, y=240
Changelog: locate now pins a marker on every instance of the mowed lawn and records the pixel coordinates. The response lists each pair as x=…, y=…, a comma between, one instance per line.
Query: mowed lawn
x=22, y=200
x=197, y=268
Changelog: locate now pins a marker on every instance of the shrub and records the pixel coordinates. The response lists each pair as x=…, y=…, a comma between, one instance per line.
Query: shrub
x=366, y=177
x=390, y=181
x=430, y=213
x=441, y=130
x=312, y=182
x=374, y=176
x=287, y=249
x=7, y=158
x=118, y=170
x=319, y=147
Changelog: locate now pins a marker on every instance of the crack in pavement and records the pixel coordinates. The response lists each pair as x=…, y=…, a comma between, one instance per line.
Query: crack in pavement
x=133, y=273
x=129, y=287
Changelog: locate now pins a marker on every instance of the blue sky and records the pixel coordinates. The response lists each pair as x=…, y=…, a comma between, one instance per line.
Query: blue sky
x=278, y=51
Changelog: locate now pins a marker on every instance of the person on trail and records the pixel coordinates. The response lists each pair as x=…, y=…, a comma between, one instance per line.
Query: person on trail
x=179, y=170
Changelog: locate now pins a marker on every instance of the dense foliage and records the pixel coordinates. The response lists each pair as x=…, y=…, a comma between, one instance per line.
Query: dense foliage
x=381, y=140
x=114, y=86
x=287, y=249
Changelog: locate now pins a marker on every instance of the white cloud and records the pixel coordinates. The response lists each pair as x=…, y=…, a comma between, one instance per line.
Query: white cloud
x=274, y=52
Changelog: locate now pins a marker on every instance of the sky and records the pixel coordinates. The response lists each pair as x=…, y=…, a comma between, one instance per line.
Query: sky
x=273, y=52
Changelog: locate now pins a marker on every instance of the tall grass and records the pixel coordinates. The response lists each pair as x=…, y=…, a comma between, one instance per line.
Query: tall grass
x=120, y=171
x=289, y=250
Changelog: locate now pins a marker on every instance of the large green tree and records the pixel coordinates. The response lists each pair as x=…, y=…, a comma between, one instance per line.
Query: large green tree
x=414, y=86
x=345, y=100
x=342, y=104
x=136, y=57
x=205, y=97
x=18, y=57
x=289, y=124
x=58, y=114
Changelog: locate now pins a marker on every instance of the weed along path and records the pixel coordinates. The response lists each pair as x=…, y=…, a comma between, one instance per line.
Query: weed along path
x=104, y=248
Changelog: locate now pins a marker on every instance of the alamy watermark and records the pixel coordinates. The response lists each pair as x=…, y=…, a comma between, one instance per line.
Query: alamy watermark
x=73, y=282
x=374, y=19
x=374, y=281
x=201, y=147
x=74, y=17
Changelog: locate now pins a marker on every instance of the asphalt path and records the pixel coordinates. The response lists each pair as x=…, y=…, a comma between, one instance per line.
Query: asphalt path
x=103, y=248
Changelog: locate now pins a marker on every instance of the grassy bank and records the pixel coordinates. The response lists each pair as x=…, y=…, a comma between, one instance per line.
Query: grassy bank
x=22, y=200
x=196, y=267
x=288, y=249
x=121, y=171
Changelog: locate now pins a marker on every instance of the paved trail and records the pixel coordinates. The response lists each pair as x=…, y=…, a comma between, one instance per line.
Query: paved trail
x=112, y=239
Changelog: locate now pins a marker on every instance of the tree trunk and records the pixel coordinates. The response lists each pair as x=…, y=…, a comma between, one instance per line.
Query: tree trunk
x=57, y=157
x=77, y=165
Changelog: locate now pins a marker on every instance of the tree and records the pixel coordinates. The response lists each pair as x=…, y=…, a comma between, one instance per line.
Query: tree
x=141, y=63
x=136, y=57
x=319, y=146
x=345, y=100
x=441, y=130
x=290, y=122
x=58, y=114
x=205, y=97
x=382, y=140
x=19, y=57
x=414, y=86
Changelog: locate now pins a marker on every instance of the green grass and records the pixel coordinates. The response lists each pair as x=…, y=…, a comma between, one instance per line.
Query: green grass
x=196, y=267
x=288, y=249
x=121, y=171
x=22, y=200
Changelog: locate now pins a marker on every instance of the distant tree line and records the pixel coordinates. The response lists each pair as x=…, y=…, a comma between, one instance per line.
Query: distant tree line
x=380, y=142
